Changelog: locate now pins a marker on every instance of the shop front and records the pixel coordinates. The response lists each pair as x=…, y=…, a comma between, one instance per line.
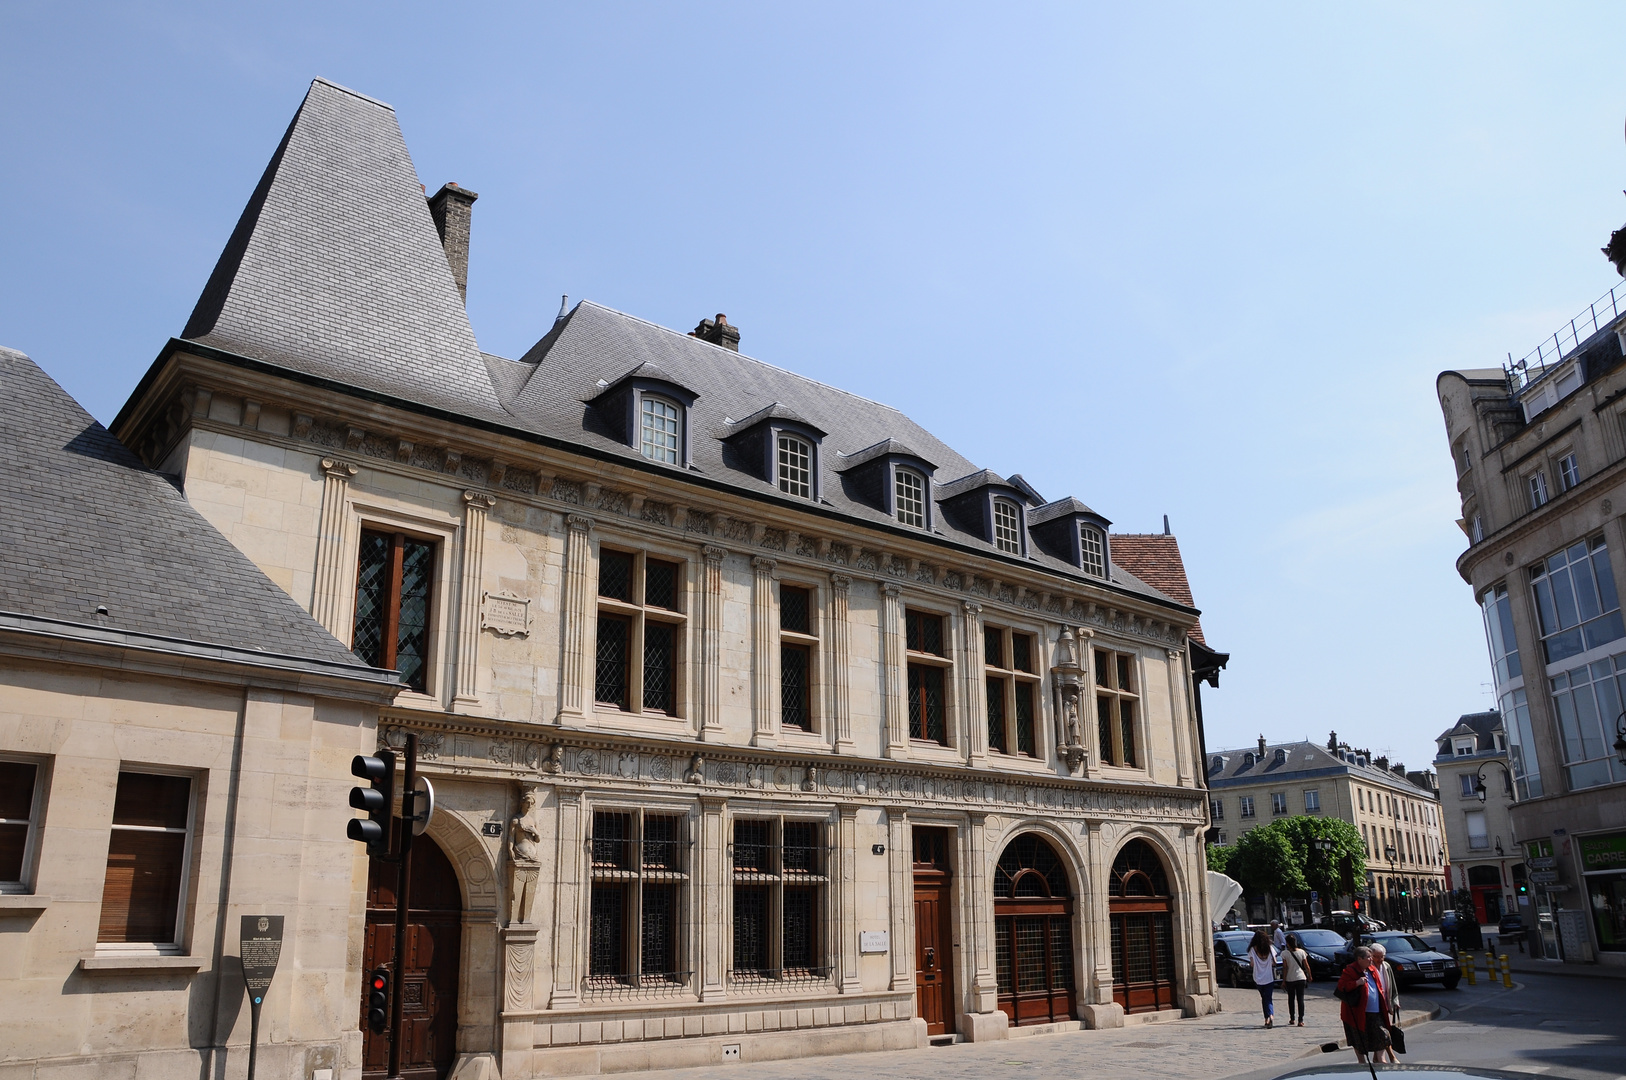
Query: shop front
x=1603, y=869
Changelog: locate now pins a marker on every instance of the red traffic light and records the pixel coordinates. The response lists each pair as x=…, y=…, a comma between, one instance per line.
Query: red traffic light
x=380, y=979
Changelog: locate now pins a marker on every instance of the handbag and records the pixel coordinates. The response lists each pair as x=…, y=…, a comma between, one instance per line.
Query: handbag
x=1397, y=1038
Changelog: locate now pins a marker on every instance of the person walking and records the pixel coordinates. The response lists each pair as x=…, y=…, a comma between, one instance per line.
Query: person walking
x=1296, y=976
x=1391, y=993
x=1363, y=1008
x=1278, y=936
x=1262, y=956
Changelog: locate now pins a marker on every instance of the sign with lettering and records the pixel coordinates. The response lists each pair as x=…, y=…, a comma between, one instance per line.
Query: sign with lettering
x=505, y=613
x=1541, y=864
x=874, y=941
x=1543, y=877
x=1603, y=852
x=261, y=949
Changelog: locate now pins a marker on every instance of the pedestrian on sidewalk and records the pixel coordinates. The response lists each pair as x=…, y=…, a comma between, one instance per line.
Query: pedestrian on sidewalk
x=1278, y=936
x=1262, y=956
x=1391, y=992
x=1296, y=976
x=1363, y=1008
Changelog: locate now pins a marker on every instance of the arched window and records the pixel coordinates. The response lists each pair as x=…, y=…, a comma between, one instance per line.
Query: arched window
x=660, y=430
x=1141, y=911
x=1091, y=551
x=795, y=467
x=1033, y=933
x=1007, y=526
x=909, y=496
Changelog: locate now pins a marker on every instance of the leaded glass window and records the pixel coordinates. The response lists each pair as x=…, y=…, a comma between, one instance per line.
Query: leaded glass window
x=1011, y=688
x=797, y=650
x=640, y=633
x=639, y=875
x=394, y=582
x=779, y=882
x=1116, y=701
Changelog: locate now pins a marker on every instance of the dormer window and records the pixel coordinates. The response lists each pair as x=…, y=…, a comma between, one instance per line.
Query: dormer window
x=795, y=467
x=1007, y=526
x=1092, y=552
x=909, y=490
x=661, y=430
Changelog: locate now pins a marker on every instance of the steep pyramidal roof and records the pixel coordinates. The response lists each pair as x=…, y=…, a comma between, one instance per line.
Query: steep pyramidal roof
x=83, y=524
x=1155, y=559
x=335, y=268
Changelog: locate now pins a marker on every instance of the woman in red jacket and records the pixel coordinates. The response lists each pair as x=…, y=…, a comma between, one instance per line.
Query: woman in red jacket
x=1365, y=1008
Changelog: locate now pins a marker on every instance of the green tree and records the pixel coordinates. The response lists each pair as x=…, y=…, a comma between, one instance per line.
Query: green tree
x=1219, y=857
x=1281, y=858
x=1263, y=860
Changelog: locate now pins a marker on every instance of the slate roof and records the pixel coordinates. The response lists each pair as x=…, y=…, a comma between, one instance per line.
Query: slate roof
x=1301, y=758
x=335, y=268
x=335, y=271
x=83, y=523
x=1155, y=559
x=1483, y=726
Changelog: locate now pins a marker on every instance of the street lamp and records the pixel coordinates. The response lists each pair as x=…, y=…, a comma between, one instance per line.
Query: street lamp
x=1389, y=853
x=1479, y=784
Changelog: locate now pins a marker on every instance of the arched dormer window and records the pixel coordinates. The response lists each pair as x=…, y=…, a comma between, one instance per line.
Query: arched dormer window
x=1007, y=526
x=1070, y=531
x=778, y=447
x=909, y=496
x=795, y=466
x=660, y=431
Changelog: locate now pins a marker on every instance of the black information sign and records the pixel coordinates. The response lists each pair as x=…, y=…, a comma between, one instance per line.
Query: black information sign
x=260, y=950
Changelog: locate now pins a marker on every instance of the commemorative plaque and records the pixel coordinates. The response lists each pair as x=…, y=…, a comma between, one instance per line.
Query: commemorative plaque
x=260, y=948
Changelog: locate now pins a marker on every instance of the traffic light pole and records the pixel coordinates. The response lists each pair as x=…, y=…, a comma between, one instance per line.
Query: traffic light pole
x=403, y=885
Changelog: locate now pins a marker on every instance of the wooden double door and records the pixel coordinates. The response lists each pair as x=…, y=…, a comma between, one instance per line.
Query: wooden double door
x=431, y=957
x=1141, y=909
x=1033, y=933
x=934, y=931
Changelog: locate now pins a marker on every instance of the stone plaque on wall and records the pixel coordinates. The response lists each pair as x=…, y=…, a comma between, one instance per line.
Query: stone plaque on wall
x=505, y=613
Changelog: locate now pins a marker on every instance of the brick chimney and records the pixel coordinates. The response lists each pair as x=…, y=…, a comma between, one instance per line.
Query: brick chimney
x=452, y=207
x=718, y=332
x=1261, y=748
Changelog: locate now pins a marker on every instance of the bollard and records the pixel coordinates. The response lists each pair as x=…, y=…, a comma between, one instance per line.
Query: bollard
x=1467, y=963
x=1507, y=973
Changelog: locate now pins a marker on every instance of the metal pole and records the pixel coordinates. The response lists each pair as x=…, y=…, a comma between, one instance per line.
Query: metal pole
x=403, y=884
x=253, y=1036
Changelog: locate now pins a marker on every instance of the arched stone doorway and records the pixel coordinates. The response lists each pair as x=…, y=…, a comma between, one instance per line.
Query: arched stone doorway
x=1142, y=912
x=1033, y=932
x=433, y=945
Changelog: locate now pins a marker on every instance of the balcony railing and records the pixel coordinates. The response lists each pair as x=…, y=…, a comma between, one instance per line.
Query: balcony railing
x=1566, y=339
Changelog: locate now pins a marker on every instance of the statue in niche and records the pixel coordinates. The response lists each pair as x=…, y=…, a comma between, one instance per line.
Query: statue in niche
x=524, y=858
x=1069, y=673
x=555, y=761
x=697, y=770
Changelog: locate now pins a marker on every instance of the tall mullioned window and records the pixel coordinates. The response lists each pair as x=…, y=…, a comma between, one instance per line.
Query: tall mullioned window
x=1116, y=700
x=780, y=874
x=1094, y=553
x=659, y=430
x=927, y=669
x=639, y=867
x=1013, y=687
x=797, y=647
x=909, y=490
x=640, y=627
x=394, y=576
x=1576, y=601
x=795, y=467
x=1007, y=526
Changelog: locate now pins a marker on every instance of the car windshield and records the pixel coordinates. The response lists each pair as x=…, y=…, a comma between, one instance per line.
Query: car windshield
x=1402, y=943
x=1321, y=939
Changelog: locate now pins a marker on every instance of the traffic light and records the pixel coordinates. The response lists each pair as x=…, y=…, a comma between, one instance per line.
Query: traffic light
x=378, y=1000
x=1524, y=890
x=1403, y=893
x=375, y=831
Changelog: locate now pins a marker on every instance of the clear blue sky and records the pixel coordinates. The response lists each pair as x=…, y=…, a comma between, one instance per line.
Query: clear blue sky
x=1202, y=261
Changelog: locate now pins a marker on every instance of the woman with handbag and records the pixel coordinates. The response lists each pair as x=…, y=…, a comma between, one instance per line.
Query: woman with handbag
x=1295, y=977
x=1363, y=1007
x=1262, y=956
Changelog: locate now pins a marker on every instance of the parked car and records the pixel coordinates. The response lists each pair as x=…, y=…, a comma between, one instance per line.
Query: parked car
x=1411, y=957
x=1448, y=926
x=1231, y=958
x=1512, y=923
x=1322, y=946
x=1349, y=923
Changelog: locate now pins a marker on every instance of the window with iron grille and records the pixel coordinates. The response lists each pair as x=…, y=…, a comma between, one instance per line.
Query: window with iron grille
x=795, y=466
x=780, y=873
x=927, y=676
x=1013, y=687
x=1007, y=526
x=638, y=649
x=1116, y=700
x=394, y=578
x=798, y=650
x=909, y=496
x=638, y=866
x=1093, y=551
x=660, y=430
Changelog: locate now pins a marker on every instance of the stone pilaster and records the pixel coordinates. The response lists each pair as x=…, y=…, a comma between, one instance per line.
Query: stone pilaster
x=476, y=506
x=975, y=687
x=567, y=905
x=765, y=703
x=715, y=874
x=710, y=712
x=901, y=893
x=1184, y=754
x=328, y=604
x=845, y=914
x=519, y=989
x=894, y=685
x=980, y=917
x=578, y=591
x=838, y=647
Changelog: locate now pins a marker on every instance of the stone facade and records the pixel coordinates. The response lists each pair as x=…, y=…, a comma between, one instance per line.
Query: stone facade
x=1479, y=833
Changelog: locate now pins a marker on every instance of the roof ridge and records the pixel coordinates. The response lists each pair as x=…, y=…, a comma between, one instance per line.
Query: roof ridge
x=744, y=356
x=352, y=93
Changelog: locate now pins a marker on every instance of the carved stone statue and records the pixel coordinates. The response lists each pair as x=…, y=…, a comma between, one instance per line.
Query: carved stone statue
x=555, y=761
x=811, y=781
x=1069, y=708
x=697, y=770
x=524, y=858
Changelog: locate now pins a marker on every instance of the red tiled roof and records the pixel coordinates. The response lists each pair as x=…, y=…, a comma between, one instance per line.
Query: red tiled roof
x=1155, y=559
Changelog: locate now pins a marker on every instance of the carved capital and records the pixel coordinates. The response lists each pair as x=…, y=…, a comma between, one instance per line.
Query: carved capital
x=764, y=566
x=578, y=523
x=841, y=581
x=479, y=500
x=972, y=608
x=714, y=554
x=339, y=470
x=891, y=588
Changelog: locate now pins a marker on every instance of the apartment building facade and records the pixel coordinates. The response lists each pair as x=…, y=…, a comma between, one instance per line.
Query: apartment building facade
x=1397, y=813
x=1476, y=800
x=761, y=722
x=1540, y=456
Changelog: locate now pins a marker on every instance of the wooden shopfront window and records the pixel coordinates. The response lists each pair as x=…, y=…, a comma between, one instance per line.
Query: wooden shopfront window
x=1033, y=933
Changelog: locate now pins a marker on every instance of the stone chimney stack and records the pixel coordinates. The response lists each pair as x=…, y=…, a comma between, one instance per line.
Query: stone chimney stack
x=1261, y=748
x=1332, y=741
x=452, y=207
x=718, y=332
